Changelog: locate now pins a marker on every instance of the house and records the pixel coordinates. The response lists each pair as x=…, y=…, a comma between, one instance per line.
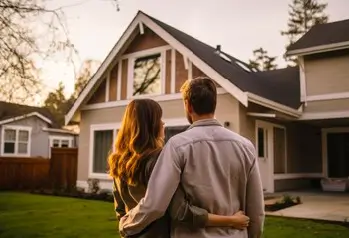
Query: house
x=27, y=131
x=297, y=117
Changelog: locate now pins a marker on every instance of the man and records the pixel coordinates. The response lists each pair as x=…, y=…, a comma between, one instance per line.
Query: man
x=216, y=167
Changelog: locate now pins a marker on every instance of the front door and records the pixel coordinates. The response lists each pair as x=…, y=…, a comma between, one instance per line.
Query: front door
x=338, y=155
x=264, y=143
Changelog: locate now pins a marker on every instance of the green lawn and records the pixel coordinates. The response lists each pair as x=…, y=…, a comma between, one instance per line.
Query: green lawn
x=25, y=215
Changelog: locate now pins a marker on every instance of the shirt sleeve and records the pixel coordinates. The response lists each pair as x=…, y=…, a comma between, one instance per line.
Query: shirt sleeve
x=181, y=211
x=254, y=197
x=119, y=204
x=162, y=185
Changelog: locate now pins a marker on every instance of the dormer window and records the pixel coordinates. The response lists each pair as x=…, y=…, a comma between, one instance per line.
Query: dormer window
x=147, y=76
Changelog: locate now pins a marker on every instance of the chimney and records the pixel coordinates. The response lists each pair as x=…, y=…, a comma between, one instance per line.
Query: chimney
x=218, y=49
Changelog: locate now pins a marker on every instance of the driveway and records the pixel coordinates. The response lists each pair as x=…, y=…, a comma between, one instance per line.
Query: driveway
x=318, y=205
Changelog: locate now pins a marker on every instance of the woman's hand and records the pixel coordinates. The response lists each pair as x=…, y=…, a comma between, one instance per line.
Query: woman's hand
x=239, y=220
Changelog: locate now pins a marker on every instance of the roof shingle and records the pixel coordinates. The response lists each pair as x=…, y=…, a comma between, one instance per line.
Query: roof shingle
x=323, y=34
x=281, y=86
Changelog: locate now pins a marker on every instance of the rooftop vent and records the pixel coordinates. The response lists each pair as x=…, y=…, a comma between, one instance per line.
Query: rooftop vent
x=218, y=49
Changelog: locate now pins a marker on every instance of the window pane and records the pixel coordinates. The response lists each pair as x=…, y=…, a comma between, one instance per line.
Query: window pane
x=146, y=75
x=55, y=143
x=9, y=148
x=10, y=135
x=261, y=145
x=23, y=136
x=103, y=141
x=22, y=148
x=172, y=131
x=65, y=143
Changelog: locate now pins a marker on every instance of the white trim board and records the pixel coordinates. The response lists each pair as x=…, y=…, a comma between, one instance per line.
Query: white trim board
x=62, y=131
x=297, y=176
x=265, y=115
x=324, y=115
x=273, y=105
x=159, y=98
x=142, y=18
x=25, y=117
x=328, y=96
x=319, y=49
x=303, y=84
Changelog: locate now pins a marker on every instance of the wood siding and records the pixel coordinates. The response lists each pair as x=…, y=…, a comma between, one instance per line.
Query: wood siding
x=99, y=95
x=146, y=41
x=168, y=72
x=113, y=83
x=181, y=72
x=327, y=73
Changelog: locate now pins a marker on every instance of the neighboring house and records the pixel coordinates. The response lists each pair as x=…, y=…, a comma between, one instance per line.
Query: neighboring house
x=289, y=114
x=27, y=131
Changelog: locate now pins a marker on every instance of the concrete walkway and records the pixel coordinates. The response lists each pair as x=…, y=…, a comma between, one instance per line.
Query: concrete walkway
x=317, y=205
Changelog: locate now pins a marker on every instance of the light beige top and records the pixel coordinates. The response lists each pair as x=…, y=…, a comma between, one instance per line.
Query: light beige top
x=218, y=171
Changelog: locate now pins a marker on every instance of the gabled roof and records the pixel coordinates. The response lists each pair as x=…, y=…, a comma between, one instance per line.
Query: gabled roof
x=334, y=35
x=232, y=74
x=13, y=112
x=281, y=86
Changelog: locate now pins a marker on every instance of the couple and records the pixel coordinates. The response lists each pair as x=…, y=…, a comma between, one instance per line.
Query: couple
x=204, y=182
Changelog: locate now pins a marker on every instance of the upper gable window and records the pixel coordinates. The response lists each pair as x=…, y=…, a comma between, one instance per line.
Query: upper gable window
x=147, y=75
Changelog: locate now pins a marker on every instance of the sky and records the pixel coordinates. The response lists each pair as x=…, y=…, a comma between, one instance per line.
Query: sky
x=239, y=26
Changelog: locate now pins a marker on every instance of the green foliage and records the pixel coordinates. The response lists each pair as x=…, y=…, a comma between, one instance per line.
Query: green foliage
x=261, y=61
x=303, y=14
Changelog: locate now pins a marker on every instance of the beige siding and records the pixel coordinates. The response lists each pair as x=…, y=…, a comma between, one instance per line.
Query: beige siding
x=227, y=111
x=327, y=106
x=327, y=73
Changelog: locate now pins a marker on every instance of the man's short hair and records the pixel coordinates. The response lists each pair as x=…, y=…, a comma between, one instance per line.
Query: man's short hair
x=201, y=93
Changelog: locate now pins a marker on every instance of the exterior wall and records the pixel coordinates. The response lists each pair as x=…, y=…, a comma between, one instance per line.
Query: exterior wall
x=327, y=73
x=39, y=138
x=303, y=145
x=99, y=95
x=328, y=105
x=171, y=110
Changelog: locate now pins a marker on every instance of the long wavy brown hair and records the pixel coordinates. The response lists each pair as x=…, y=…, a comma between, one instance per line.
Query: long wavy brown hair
x=138, y=138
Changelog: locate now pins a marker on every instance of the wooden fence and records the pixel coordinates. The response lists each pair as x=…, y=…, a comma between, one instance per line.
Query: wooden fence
x=59, y=172
x=63, y=168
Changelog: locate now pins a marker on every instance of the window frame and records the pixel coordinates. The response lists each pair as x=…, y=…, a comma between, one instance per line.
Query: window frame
x=99, y=127
x=60, y=139
x=16, y=128
x=130, y=75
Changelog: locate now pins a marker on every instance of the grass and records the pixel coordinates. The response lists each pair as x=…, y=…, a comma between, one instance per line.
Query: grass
x=26, y=215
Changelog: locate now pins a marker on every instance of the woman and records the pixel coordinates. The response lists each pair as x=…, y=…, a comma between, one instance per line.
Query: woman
x=138, y=144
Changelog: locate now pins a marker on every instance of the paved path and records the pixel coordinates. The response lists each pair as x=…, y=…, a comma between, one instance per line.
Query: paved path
x=322, y=206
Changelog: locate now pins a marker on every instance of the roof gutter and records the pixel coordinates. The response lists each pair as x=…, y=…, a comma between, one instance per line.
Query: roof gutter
x=273, y=105
x=319, y=49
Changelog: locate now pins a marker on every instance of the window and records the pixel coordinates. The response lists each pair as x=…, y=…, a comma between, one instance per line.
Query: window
x=147, y=75
x=102, y=140
x=174, y=130
x=16, y=141
x=262, y=142
x=61, y=141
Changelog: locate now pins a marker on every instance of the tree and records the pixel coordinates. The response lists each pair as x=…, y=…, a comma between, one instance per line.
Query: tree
x=87, y=69
x=57, y=104
x=261, y=61
x=303, y=14
x=29, y=32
